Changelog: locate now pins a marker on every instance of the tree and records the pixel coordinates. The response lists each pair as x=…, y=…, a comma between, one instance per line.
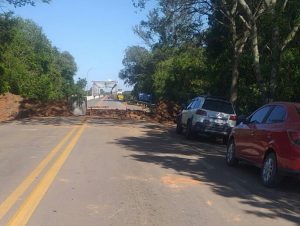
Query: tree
x=181, y=76
x=288, y=13
x=285, y=22
x=31, y=66
x=66, y=65
x=224, y=12
x=20, y=3
x=171, y=26
x=250, y=49
x=7, y=24
x=138, y=69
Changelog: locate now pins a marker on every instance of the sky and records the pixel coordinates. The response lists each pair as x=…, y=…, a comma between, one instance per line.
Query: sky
x=95, y=32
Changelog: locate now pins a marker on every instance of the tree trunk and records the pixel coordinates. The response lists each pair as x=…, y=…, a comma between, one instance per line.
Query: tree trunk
x=234, y=79
x=238, y=46
x=235, y=65
x=275, y=58
x=256, y=62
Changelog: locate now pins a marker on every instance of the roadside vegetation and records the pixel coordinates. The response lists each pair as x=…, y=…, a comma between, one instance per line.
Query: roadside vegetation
x=30, y=65
x=246, y=51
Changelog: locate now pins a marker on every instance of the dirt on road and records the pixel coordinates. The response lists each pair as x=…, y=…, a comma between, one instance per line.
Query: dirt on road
x=16, y=107
x=162, y=112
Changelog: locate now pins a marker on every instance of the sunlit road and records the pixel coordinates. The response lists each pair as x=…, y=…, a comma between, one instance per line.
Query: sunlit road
x=88, y=171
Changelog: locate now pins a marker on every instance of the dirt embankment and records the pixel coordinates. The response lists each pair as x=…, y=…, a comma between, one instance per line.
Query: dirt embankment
x=15, y=107
x=9, y=106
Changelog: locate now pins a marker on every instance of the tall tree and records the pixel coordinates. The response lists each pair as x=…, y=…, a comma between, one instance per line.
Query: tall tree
x=285, y=12
x=20, y=3
x=285, y=23
x=224, y=12
x=138, y=69
x=7, y=24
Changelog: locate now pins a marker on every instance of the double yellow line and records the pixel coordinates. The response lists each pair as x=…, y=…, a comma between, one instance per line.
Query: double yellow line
x=27, y=208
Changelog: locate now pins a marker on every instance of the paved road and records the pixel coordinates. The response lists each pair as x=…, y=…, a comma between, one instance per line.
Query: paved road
x=87, y=171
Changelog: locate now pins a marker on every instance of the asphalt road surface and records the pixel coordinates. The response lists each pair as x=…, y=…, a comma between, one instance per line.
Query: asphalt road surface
x=88, y=171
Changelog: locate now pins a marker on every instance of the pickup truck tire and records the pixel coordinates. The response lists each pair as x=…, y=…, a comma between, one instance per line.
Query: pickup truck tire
x=188, y=132
x=179, y=126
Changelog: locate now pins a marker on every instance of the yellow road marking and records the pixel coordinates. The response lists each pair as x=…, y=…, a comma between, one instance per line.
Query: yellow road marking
x=27, y=208
x=14, y=196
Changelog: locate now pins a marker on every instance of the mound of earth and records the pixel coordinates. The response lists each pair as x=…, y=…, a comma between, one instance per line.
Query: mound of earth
x=15, y=107
x=119, y=114
x=163, y=112
x=34, y=108
x=9, y=106
x=166, y=111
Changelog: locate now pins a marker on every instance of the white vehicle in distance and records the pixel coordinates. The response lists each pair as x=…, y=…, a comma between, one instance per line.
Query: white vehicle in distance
x=208, y=115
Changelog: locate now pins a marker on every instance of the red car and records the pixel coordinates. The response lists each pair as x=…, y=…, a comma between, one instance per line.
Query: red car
x=270, y=139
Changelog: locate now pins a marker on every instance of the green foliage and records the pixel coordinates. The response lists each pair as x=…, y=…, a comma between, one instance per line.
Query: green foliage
x=181, y=76
x=78, y=91
x=185, y=59
x=128, y=96
x=30, y=66
x=139, y=65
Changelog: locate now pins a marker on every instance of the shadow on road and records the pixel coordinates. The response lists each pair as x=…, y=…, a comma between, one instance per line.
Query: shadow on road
x=172, y=151
x=109, y=120
x=51, y=121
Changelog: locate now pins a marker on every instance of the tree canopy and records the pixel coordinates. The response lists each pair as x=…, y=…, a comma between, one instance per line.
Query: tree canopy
x=30, y=66
x=247, y=51
x=19, y=3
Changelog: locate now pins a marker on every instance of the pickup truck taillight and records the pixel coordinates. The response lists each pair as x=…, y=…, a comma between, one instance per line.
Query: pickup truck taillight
x=294, y=136
x=201, y=112
x=233, y=117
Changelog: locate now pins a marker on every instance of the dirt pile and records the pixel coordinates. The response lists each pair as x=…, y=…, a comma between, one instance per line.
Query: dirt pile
x=163, y=112
x=15, y=107
x=31, y=108
x=119, y=114
x=166, y=111
x=9, y=106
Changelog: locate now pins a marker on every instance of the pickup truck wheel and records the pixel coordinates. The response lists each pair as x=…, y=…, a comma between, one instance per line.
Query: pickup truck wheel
x=189, y=133
x=179, y=126
x=269, y=172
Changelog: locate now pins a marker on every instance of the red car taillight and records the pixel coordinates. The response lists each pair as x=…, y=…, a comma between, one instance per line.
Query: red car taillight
x=233, y=117
x=201, y=112
x=294, y=136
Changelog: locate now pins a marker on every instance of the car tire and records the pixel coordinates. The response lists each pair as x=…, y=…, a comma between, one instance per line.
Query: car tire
x=269, y=172
x=188, y=132
x=231, y=159
x=179, y=126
